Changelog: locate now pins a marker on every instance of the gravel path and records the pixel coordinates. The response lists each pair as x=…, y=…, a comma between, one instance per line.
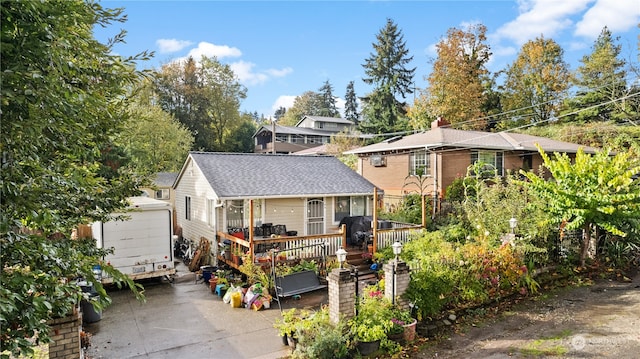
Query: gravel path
x=601, y=320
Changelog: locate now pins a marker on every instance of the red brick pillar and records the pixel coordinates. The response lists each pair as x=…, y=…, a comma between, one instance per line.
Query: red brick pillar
x=65, y=337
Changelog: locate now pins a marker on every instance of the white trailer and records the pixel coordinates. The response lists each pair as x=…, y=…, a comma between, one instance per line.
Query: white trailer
x=143, y=244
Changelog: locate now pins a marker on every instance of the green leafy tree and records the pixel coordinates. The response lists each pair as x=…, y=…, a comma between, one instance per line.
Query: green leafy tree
x=456, y=88
x=386, y=69
x=62, y=99
x=351, y=104
x=536, y=83
x=600, y=79
x=205, y=97
x=329, y=108
x=155, y=141
x=307, y=104
x=592, y=190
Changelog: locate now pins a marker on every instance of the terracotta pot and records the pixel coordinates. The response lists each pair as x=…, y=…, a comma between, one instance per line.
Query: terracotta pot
x=212, y=283
x=409, y=333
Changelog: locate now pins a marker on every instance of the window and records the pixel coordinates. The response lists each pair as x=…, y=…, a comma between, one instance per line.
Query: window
x=211, y=207
x=349, y=206
x=235, y=213
x=342, y=208
x=493, y=161
x=420, y=163
x=187, y=207
x=162, y=193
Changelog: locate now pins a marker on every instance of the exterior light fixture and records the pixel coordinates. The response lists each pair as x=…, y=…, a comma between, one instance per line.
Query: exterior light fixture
x=513, y=223
x=341, y=254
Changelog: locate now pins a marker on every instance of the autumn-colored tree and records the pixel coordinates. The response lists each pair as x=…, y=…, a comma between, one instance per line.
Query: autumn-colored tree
x=456, y=89
x=601, y=84
x=351, y=104
x=536, y=83
x=384, y=108
x=592, y=190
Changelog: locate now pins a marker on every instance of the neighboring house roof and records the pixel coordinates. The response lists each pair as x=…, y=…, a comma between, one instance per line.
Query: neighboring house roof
x=242, y=175
x=165, y=179
x=326, y=119
x=447, y=137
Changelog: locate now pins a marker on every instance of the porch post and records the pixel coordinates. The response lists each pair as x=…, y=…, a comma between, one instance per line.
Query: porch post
x=251, y=230
x=374, y=223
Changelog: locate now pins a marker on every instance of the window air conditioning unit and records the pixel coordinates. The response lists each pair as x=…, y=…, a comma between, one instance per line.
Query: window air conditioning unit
x=377, y=161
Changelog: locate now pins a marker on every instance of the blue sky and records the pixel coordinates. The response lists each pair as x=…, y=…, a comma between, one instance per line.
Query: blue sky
x=281, y=49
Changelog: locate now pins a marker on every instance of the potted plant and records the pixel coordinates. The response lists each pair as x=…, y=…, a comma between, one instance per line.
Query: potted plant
x=287, y=325
x=368, y=336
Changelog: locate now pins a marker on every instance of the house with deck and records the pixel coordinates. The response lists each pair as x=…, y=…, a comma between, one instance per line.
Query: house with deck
x=428, y=162
x=255, y=202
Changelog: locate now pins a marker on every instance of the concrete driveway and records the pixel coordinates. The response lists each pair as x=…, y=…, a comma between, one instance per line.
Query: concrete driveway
x=186, y=320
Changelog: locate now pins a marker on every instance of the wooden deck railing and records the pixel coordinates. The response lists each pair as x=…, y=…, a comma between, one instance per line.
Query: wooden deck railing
x=302, y=247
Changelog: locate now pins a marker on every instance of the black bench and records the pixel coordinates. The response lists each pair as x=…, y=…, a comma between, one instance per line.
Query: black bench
x=297, y=283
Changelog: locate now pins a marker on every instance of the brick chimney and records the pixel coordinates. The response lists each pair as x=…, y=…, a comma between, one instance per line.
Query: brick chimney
x=439, y=122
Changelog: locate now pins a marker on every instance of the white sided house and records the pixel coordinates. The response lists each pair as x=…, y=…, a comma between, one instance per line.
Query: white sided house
x=290, y=195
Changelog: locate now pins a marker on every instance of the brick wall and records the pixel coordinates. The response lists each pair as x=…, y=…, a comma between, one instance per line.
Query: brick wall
x=65, y=337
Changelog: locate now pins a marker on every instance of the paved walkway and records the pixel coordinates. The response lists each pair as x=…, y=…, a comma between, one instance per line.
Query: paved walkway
x=185, y=320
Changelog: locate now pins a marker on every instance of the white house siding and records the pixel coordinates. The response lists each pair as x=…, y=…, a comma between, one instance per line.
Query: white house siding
x=194, y=184
x=287, y=211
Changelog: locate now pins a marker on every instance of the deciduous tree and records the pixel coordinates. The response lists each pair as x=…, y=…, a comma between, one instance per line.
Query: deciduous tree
x=307, y=104
x=592, y=190
x=536, y=83
x=63, y=98
x=456, y=90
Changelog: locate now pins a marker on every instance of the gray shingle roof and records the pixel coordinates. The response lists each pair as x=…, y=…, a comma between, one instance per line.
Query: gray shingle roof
x=447, y=137
x=165, y=179
x=237, y=175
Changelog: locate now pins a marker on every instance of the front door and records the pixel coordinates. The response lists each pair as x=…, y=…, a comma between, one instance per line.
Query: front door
x=315, y=216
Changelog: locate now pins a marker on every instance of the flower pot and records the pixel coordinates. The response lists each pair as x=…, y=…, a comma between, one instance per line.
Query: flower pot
x=396, y=337
x=213, y=282
x=292, y=342
x=285, y=341
x=409, y=333
x=366, y=348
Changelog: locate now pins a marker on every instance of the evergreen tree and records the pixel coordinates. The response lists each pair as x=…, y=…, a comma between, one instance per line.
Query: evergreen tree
x=351, y=104
x=279, y=112
x=386, y=70
x=307, y=104
x=600, y=79
x=328, y=108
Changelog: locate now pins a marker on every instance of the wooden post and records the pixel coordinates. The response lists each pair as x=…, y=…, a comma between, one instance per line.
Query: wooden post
x=424, y=213
x=251, y=230
x=374, y=223
x=343, y=230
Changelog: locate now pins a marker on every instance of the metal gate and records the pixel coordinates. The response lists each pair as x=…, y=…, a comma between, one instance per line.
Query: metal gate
x=315, y=216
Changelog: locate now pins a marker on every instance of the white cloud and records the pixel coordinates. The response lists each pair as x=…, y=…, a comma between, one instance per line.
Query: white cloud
x=541, y=17
x=617, y=15
x=283, y=101
x=172, y=45
x=210, y=50
x=247, y=76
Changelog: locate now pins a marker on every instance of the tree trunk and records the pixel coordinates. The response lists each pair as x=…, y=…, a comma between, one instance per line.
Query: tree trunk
x=586, y=241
